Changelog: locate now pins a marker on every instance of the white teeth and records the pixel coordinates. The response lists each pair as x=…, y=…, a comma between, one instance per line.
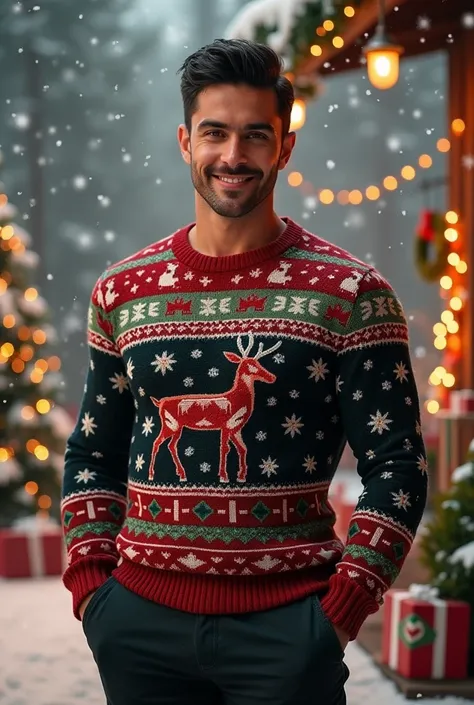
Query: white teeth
x=232, y=181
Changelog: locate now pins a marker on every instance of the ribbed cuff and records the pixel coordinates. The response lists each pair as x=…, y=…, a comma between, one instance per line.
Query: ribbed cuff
x=347, y=605
x=85, y=576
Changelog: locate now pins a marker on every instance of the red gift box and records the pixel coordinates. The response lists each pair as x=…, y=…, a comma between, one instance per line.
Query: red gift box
x=423, y=636
x=31, y=553
x=461, y=401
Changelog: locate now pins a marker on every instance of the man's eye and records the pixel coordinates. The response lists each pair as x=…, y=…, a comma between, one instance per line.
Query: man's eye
x=258, y=135
x=214, y=133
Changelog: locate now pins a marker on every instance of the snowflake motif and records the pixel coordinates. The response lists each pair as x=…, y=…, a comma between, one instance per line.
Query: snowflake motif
x=141, y=391
x=370, y=454
x=189, y=276
x=208, y=307
x=205, y=467
x=328, y=399
x=294, y=394
x=213, y=372
x=271, y=401
x=368, y=365
x=279, y=359
x=235, y=280
x=380, y=423
x=339, y=384
x=401, y=499
x=84, y=550
x=407, y=444
x=97, y=454
x=401, y=373
x=330, y=459
x=189, y=451
x=164, y=362
x=309, y=464
x=188, y=381
x=269, y=466
x=261, y=436
x=318, y=370
x=106, y=546
x=130, y=368
x=255, y=273
x=386, y=385
x=205, y=281
x=196, y=354
x=418, y=428
x=92, y=365
x=314, y=280
x=148, y=425
x=85, y=475
x=139, y=462
x=422, y=464
x=386, y=475
x=292, y=425
x=119, y=381
x=320, y=435
x=408, y=401
x=335, y=419
x=100, y=399
x=357, y=396
x=88, y=425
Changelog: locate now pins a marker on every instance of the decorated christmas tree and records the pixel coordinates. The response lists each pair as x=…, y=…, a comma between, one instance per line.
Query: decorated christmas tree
x=447, y=543
x=33, y=428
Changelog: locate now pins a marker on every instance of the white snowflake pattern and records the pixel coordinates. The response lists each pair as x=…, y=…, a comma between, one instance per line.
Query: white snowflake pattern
x=164, y=362
x=408, y=401
x=292, y=425
x=119, y=382
x=379, y=422
x=97, y=454
x=294, y=394
x=100, y=399
x=320, y=435
x=328, y=399
x=92, y=365
x=84, y=550
x=357, y=396
x=335, y=419
x=205, y=281
x=189, y=276
x=261, y=436
x=130, y=368
x=85, y=475
x=196, y=354
x=141, y=391
x=188, y=381
x=213, y=372
x=88, y=425
x=418, y=428
x=368, y=365
x=387, y=386
x=386, y=475
x=401, y=499
x=148, y=425
x=407, y=444
x=318, y=370
x=370, y=454
x=401, y=373
x=309, y=464
x=422, y=464
x=279, y=358
x=208, y=307
x=205, y=467
x=189, y=451
x=139, y=462
x=235, y=280
x=255, y=273
x=269, y=466
x=271, y=401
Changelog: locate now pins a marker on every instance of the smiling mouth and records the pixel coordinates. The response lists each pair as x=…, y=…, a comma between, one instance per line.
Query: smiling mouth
x=233, y=180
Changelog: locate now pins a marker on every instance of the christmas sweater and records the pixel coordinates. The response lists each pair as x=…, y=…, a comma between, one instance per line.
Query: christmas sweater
x=219, y=397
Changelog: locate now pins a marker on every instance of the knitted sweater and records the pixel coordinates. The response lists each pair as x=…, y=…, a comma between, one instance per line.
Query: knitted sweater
x=220, y=394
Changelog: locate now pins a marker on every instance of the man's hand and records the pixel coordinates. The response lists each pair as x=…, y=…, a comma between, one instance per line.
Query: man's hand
x=84, y=604
x=342, y=636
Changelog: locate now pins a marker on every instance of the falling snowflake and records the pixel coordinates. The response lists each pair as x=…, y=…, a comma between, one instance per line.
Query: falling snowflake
x=139, y=462
x=292, y=425
x=85, y=475
x=119, y=381
x=196, y=354
x=380, y=423
x=269, y=466
x=468, y=20
x=422, y=464
x=188, y=381
x=88, y=424
x=468, y=161
x=309, y=464
x=318, y=370
x=401, y=373
x=164, y=362
x=261, y=436
x=423, y=23
x=213, y=372
x=357, y=396
x=401, y=499
x=205, y=467
x=148, y=425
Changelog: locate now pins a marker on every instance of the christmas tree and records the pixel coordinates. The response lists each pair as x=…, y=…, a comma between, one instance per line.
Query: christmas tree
x=447, y=544
x=33, y=428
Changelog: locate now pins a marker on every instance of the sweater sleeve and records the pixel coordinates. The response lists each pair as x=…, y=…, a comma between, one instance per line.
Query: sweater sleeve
x=94, y=485
x=380, y=413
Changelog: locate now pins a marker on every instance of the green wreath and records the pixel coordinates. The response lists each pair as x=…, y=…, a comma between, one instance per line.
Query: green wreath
x=431, y=247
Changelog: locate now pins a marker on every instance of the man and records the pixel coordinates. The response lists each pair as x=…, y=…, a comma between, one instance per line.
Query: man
x=229, y=363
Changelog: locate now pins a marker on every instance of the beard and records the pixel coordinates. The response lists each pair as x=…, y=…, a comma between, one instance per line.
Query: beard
x=233, y=203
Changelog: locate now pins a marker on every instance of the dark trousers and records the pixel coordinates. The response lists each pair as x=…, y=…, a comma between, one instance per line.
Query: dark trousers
x=148, y=654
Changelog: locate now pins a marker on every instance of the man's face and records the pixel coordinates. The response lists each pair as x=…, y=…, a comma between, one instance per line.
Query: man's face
x=235, y=148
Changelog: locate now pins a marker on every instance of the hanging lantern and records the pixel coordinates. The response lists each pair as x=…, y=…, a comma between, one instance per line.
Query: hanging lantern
x=383, y=57
x=298, y=114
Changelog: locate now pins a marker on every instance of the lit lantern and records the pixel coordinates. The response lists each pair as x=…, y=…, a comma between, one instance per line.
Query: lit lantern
x=383, y=57
x=298, y=114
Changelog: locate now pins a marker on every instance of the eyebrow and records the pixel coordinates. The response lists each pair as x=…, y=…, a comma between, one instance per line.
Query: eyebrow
x=263, y=126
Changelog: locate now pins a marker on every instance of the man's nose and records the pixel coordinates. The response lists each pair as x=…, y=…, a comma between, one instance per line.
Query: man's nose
x=233, y=153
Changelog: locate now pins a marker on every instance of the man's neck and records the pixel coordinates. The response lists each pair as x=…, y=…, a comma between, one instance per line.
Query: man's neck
x=216, y=236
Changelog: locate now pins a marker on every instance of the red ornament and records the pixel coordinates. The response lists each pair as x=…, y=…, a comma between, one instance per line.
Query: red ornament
x=426, y=226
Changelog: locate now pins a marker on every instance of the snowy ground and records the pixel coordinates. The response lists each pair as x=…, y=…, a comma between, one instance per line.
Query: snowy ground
x=44, y=658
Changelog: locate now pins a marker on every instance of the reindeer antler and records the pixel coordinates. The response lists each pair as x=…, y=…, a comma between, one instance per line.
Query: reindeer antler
x=261, y=352
x=245, y=353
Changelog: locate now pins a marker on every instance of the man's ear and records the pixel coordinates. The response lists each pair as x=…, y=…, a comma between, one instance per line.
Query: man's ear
x=184, y=142
x=287, y=149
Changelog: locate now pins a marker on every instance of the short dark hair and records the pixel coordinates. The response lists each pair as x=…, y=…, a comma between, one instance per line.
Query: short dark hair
x=235, y=61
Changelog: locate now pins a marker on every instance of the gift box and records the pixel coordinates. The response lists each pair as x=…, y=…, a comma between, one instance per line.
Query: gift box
x=423, y=636
x=461, y=401
x=31, y=551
